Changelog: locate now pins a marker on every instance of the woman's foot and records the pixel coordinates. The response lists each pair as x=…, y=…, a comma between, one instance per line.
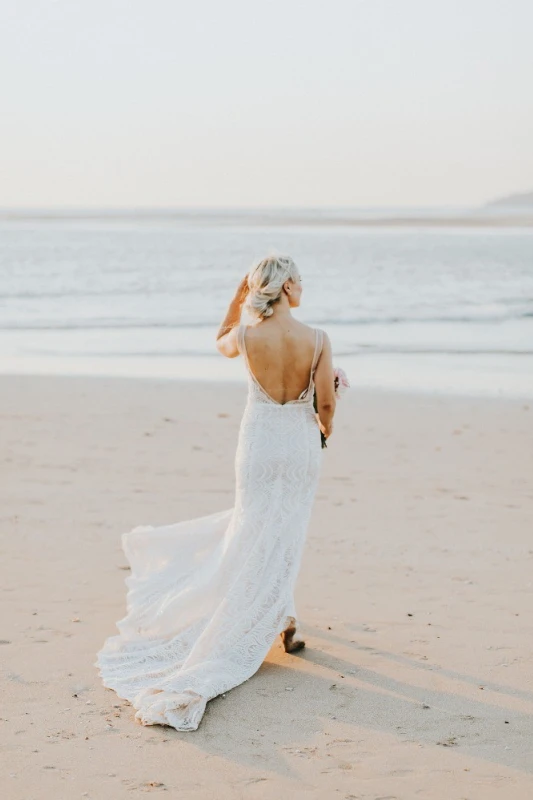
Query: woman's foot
x=290, y=638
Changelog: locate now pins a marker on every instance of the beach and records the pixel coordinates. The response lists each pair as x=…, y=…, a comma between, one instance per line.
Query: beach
x=415, y=597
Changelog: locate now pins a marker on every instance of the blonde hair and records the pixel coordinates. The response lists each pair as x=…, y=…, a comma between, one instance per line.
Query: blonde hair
x=265, y=282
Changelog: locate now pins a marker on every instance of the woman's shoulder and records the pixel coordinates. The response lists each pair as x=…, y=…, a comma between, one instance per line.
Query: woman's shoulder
x=322, y=333
x=308, y=330
x=319, y=333
x=244, y=328
x=312, y=334
x=311, y=328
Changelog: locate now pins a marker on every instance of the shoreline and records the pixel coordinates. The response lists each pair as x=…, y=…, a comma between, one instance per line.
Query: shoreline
x=401, y=376
x=239, y=385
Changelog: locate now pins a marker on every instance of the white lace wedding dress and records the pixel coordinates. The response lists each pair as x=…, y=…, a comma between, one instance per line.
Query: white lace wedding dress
x=207, y=597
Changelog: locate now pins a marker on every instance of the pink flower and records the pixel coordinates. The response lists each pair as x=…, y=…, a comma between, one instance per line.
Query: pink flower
x=341, y=381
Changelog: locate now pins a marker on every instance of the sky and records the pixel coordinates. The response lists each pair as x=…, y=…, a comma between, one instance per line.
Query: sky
x=240, y=103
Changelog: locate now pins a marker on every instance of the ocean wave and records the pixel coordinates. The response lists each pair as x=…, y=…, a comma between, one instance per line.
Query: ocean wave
x=479, y=319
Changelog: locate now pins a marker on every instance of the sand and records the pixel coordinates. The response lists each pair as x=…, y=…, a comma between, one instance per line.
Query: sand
x=415, y=596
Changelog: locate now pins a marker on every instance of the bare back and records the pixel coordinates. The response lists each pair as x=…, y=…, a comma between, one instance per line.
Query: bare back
x=280, y=356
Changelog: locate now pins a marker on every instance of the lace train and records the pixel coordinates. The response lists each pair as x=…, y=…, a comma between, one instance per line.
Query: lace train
x=183, y=711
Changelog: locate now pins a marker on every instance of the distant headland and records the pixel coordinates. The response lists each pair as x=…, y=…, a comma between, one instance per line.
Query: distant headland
x=518, y=201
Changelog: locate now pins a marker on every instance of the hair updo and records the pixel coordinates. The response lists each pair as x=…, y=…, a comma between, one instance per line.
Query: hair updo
x=265, y=282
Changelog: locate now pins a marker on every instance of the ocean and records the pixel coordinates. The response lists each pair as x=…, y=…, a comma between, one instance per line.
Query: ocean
x=410, y=306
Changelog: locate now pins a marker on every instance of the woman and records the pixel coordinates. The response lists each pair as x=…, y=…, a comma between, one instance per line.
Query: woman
x=208, y=596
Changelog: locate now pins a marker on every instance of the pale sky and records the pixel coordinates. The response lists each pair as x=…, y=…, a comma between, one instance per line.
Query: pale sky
x=234, y=103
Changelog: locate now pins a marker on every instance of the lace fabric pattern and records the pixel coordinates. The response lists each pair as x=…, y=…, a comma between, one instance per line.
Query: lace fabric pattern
x=207, y=597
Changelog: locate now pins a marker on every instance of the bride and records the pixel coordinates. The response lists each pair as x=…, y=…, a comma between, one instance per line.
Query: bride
x=207, y=597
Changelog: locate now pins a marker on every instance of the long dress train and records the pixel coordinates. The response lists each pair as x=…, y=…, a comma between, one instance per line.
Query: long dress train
x=207, y=597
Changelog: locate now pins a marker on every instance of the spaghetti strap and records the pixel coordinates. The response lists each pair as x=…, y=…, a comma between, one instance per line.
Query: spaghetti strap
x=319, y=340
x=240, y=340
x=316, y=356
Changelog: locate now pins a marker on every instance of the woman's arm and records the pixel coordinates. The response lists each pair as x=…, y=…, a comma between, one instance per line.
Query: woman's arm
x=227, y=335
x=325, y=388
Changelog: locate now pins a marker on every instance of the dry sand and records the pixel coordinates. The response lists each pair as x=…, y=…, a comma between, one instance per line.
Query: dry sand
x=415, y=596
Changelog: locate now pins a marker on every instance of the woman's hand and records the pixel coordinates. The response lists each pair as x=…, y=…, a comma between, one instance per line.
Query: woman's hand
x=242, y=290
x=327, y=432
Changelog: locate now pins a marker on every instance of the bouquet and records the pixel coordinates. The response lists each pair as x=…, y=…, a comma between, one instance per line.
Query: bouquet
x=341, y=383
